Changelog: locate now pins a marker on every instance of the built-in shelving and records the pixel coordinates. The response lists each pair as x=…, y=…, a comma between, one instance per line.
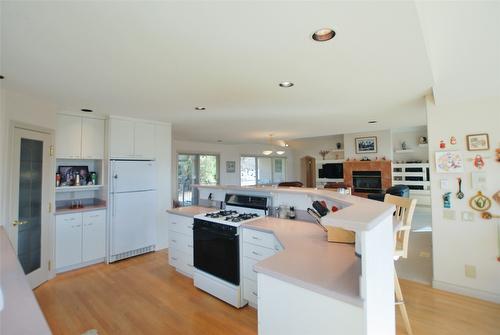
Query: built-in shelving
x=78, y=188
x=406, y=151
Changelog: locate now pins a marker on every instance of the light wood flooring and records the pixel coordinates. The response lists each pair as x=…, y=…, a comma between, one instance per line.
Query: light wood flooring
x=145, y=295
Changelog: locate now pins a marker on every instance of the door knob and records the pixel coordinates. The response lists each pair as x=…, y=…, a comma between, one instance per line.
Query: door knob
x=19, y=222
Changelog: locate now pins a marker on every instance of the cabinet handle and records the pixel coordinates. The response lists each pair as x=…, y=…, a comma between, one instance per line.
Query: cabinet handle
x=174, y=222
x=175, y=241
x=254, y=293
x=190, y=245
x=174, y=258
x=255, y=253
x=256, y=238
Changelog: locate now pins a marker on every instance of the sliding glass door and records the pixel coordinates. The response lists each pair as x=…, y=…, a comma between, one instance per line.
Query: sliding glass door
x=257, y=170
x=195, y=169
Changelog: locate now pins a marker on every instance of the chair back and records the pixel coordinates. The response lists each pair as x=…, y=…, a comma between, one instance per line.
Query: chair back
x=403, y=216
x=290, y=184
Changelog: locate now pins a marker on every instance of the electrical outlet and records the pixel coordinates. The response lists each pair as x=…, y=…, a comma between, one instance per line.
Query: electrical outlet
x=449, y=215
x=470, y=271
x=467, y=216
x=425, y=254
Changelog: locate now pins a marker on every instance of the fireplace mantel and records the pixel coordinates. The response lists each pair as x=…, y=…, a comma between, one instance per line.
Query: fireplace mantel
x=385, y=167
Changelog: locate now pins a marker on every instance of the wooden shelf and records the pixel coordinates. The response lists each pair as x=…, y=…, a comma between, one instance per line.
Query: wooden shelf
x=78, y=188
x=403, y=151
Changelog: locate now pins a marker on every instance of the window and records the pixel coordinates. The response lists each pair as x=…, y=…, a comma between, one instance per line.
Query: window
x=195, y=169
x=262, y=170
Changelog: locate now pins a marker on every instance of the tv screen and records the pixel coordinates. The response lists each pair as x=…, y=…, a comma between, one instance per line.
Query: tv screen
x=332, y=171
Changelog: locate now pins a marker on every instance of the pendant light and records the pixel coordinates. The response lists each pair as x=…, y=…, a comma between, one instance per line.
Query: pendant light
x=270, y=151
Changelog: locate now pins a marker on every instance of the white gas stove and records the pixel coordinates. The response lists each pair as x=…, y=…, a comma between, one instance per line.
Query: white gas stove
x=232, y=215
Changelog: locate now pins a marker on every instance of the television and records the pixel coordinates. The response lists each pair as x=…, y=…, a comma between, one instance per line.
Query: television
x=332, y=171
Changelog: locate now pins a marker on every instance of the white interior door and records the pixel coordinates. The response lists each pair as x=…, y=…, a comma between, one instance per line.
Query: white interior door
x=30, y=197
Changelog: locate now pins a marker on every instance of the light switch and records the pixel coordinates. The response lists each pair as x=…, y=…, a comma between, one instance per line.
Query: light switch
x=449, y=215
x=445, y=184
x=470, y=271
x=467, y=216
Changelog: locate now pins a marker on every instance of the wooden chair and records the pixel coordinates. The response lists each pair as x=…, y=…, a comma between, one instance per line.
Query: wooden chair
x=405, y=207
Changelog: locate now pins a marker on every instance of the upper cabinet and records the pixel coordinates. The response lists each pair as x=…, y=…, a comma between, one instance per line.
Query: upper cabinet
x=131, y=139
x=79, y=137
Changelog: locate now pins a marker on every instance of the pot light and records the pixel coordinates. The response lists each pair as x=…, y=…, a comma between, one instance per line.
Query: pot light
x=1, y=77
x=372, y=122
x=267, y=152
x=286, y=84
x=86, y=110
x=200, y=108
x=280, y=152
x=323, y=35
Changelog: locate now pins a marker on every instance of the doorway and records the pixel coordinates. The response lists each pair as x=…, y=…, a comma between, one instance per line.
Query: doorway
x=195, y=169
x=308, y=171
x=30, y=206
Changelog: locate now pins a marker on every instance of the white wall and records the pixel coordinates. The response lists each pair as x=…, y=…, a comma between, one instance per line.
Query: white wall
x=226, y=152
x=163, y=143
x=3, y=156
x=410, y=136
x=455, y=242
x=384, y=144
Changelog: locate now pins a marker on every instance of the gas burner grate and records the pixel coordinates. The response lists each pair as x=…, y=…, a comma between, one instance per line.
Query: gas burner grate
x=220, y=214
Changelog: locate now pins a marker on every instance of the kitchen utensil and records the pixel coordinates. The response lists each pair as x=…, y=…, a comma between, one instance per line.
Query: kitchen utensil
x=460, y=194
x=316, y=217
x=320, y=208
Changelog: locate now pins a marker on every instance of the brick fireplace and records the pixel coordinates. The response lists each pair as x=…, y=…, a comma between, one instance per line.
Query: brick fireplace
x=367, y=177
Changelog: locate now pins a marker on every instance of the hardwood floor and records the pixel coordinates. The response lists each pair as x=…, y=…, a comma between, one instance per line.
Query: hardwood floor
x=144, y=295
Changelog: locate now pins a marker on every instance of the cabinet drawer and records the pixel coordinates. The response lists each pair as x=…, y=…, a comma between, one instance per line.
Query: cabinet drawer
x=257, y=252
x=181, y=224
x=181, y=242
x=248, y=271
x=181, y=261
x=250, y=291
x=256, y=237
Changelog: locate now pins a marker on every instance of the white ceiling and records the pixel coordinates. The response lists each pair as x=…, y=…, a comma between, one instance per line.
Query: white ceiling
x=159, y=60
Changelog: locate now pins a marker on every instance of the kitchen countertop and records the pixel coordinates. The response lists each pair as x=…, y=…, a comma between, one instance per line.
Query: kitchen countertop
x=309, y=261
x=21, y=313
x=357, y=214
x=191, y=211
x=87, y=208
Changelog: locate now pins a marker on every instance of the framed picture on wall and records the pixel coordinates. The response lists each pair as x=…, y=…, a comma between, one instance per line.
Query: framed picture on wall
x=230, y=166
x=366, y=145
x=449, y=162
x=477, y=142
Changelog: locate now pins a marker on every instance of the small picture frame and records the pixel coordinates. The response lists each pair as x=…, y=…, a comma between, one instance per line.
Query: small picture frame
x=366, y=145
x=230, y=166
x=477, y=142
x=449, y=162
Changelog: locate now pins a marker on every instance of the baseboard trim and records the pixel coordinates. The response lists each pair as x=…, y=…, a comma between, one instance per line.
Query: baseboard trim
x=479, y=294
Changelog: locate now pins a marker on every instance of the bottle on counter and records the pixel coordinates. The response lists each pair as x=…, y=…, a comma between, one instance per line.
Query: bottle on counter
x=291, y=213
x=58, y=179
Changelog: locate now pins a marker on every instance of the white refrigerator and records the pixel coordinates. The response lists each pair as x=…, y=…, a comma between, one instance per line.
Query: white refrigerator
x=133, y=208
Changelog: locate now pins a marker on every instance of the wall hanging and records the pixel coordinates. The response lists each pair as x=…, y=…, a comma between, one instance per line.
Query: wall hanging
x=460, y=194
x=230, y=166
x=496, y=197
x=479, y=180
x=366, y=145
x=480, y=202
x=477, y=142
x=453, y=140
x=447, y=200
x=449, y=162
x=442, y=145
x=478, y=162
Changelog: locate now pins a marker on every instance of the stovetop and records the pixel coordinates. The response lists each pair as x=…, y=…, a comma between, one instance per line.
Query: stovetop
x=229, y=217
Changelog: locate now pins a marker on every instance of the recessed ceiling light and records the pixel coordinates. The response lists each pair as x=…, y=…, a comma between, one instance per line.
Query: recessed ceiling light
x=86, y=110
x=200, y=108
x=372, y=122
x=286, y=84
x=1, y=77
x=323, y=35
x=219, y=141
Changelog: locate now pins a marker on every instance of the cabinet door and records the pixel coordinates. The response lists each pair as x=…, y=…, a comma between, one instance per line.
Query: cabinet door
x=94, y=235
x=121, y=138
x=144, y=145
x=68, y=239
x=68, y=136
x=92, y=138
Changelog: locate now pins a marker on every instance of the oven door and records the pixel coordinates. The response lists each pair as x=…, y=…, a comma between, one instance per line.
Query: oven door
x=216, y=250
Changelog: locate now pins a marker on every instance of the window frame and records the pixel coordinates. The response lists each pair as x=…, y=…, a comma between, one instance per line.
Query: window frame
x=256, y=159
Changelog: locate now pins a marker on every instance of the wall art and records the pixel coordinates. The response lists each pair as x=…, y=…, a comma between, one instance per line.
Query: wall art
x=479, y=180
x=230, y=166
x=480, y=202
x=449, y=162
x=453, y=140
x=447, y=200
x=478, y=162
x=460, y=194
x=366, y=145
x=477, y=142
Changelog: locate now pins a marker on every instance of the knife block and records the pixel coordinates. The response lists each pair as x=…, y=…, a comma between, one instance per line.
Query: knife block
x=339, y=235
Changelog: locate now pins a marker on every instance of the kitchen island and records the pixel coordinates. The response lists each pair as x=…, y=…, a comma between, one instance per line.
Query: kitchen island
x=315, y=287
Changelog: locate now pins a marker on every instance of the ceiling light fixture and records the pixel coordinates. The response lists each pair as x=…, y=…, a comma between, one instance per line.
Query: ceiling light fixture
x=268, y=152
x=200, y=108
x=286, y=84
x=323, y=35
x=1, y=77
x=86, y=110
x=372, y=122
x=280, y=152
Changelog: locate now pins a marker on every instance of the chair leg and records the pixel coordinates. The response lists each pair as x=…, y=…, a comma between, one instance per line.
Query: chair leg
x=400, y=302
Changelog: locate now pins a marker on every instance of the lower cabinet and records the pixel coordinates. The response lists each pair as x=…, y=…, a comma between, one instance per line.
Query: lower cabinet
x=257, y=245
x=80, y=239
x=180, y=243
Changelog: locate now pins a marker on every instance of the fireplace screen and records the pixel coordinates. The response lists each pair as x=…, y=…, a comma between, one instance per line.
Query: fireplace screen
x=367, y=181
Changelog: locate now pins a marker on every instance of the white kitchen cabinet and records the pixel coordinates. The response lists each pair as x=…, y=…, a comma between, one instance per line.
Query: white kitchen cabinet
x=79, y=137
x=69, y=136
x=121, y=138
x=92, y=138
x=68, y=239
x=80, y=239
x=94, y=235
x=144, y=140
x=180, y=246
x=131, y=139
